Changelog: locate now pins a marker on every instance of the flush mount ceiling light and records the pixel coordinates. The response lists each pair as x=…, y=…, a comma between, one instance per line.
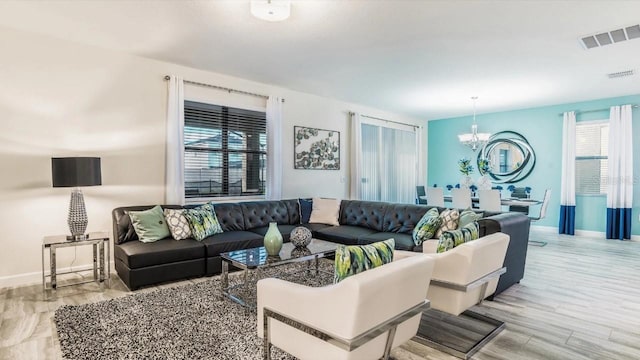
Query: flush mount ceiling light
x=474, y=140
x=271, y=10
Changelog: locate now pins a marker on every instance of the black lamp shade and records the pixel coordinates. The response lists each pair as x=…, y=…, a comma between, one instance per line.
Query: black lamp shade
x=76, y=171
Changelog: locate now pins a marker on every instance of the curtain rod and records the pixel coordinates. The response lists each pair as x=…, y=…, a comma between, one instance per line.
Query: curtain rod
x=596, y=110
x=167, y=77
x=391, y=121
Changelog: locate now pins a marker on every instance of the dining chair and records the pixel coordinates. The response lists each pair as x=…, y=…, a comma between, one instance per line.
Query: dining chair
x=435, y=196
x=420, y=193
x=460, y=198
x=519, y=193
x=542, y=215
x=490, y=200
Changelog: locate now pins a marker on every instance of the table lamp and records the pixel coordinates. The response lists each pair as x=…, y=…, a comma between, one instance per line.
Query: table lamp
x=76, y=172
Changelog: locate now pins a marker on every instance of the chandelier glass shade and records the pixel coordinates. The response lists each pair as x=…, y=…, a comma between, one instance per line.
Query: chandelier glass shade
x=474, y=140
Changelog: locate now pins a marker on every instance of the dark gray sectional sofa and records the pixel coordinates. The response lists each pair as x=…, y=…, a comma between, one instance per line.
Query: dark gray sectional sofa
x=244, y=225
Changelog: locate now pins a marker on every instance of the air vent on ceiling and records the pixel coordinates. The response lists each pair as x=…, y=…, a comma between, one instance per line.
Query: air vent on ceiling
x=610, y=37
x=620, y=74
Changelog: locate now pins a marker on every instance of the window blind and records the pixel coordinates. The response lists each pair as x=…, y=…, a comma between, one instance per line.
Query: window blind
x=225, y=151
x=592, y=143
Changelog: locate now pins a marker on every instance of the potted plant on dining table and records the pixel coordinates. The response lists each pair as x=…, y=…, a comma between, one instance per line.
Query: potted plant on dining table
x=466, y=169
x=484, y=182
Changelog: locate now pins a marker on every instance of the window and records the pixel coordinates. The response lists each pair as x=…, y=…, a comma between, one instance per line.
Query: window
x=225, y=151
x=389, y=162
x=592, y=144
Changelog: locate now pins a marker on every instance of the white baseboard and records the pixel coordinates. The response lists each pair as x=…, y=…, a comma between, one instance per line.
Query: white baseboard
x=34, y=278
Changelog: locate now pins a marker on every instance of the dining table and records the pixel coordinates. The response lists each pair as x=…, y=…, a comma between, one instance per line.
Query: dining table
x=505, y=201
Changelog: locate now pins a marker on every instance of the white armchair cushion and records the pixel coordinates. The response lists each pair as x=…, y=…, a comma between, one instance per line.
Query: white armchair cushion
x=346, y=309
x=463, y=265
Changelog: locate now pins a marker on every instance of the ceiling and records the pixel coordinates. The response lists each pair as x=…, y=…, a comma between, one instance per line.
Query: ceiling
x=420, y=58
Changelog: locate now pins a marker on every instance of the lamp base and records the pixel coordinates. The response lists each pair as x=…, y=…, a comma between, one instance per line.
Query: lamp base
x=80, y=237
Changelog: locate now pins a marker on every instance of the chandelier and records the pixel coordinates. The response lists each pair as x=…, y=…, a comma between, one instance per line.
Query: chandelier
x=474, y=140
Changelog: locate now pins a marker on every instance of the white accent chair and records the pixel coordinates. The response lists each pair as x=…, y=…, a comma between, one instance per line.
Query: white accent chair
x=435, y=196
x=361, y=317
x=542, y=215
x=490, y=200
x=460, y=198
x=463, y=277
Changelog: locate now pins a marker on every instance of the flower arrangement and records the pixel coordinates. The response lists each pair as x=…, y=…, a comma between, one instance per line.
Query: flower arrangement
x=465, y=166
x=483, y=166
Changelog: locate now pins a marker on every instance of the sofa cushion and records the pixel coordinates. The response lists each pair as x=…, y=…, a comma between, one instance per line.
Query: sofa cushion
x=403, y=218
x=203, y=221
x=230, y=216
x=468, y=216
x=450, y=239
x=403, y=241
x=261, y=213
x=285, y=230
x=305, y=210
x=293, y=209
x=344, y=234
x=150, y=225
x=231, y=241
x=315, y=227
x=178, y=224
x=427, y=226
x=449, y=221
x=136, y=254
x=352, y=260
x=369, y=214
x=325, y=211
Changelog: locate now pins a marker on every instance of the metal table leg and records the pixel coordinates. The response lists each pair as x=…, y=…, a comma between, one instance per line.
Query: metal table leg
x=95, y=262
x=108, y=265
x=224, y=281
x=52, y=265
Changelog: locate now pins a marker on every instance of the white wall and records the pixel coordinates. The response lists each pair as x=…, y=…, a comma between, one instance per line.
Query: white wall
x=59, y=98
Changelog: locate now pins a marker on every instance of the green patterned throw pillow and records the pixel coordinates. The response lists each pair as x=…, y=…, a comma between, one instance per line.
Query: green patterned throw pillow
x=150, y=225
x=203, y=221
x=452, y=238
x=468, y=216
x=351, y=260
x=426, y=227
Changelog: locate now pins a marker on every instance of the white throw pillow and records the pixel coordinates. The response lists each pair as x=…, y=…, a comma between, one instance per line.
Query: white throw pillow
x=325, y=211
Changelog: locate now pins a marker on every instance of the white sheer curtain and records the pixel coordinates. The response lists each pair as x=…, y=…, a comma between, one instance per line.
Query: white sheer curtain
x=568, y=181
x=174, y=167
x=355, y=183
x=274, y=148
x=389, y=164
x=620, y=174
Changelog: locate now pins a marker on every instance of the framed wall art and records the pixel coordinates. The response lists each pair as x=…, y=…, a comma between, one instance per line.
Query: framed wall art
x=316, y=149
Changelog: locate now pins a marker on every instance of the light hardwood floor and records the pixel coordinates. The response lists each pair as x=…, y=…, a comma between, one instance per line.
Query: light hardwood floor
x=580, y=299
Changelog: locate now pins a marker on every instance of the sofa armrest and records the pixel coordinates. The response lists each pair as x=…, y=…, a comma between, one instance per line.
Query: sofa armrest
x=516, y=225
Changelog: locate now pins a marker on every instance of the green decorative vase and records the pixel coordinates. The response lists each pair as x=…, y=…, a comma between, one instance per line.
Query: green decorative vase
x=273, y=240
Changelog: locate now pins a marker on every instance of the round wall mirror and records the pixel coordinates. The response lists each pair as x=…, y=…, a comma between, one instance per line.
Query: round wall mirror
x=510, y=157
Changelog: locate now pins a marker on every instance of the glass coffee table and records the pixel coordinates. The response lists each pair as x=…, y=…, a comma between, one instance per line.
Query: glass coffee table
x=256, y=260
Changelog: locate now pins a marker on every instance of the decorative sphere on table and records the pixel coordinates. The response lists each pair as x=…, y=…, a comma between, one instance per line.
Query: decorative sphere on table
x=300, y=236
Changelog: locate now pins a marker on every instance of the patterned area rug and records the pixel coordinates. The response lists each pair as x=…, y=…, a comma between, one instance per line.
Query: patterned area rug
x=186, y=322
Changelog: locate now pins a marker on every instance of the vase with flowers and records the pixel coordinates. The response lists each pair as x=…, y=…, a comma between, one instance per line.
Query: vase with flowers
x=484, y=182
x=466, y=169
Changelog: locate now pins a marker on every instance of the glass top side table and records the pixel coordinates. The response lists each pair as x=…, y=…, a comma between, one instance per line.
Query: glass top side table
x=101, y=271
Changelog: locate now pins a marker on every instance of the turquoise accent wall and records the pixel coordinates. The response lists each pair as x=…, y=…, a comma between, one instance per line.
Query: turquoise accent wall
x=543, y=129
